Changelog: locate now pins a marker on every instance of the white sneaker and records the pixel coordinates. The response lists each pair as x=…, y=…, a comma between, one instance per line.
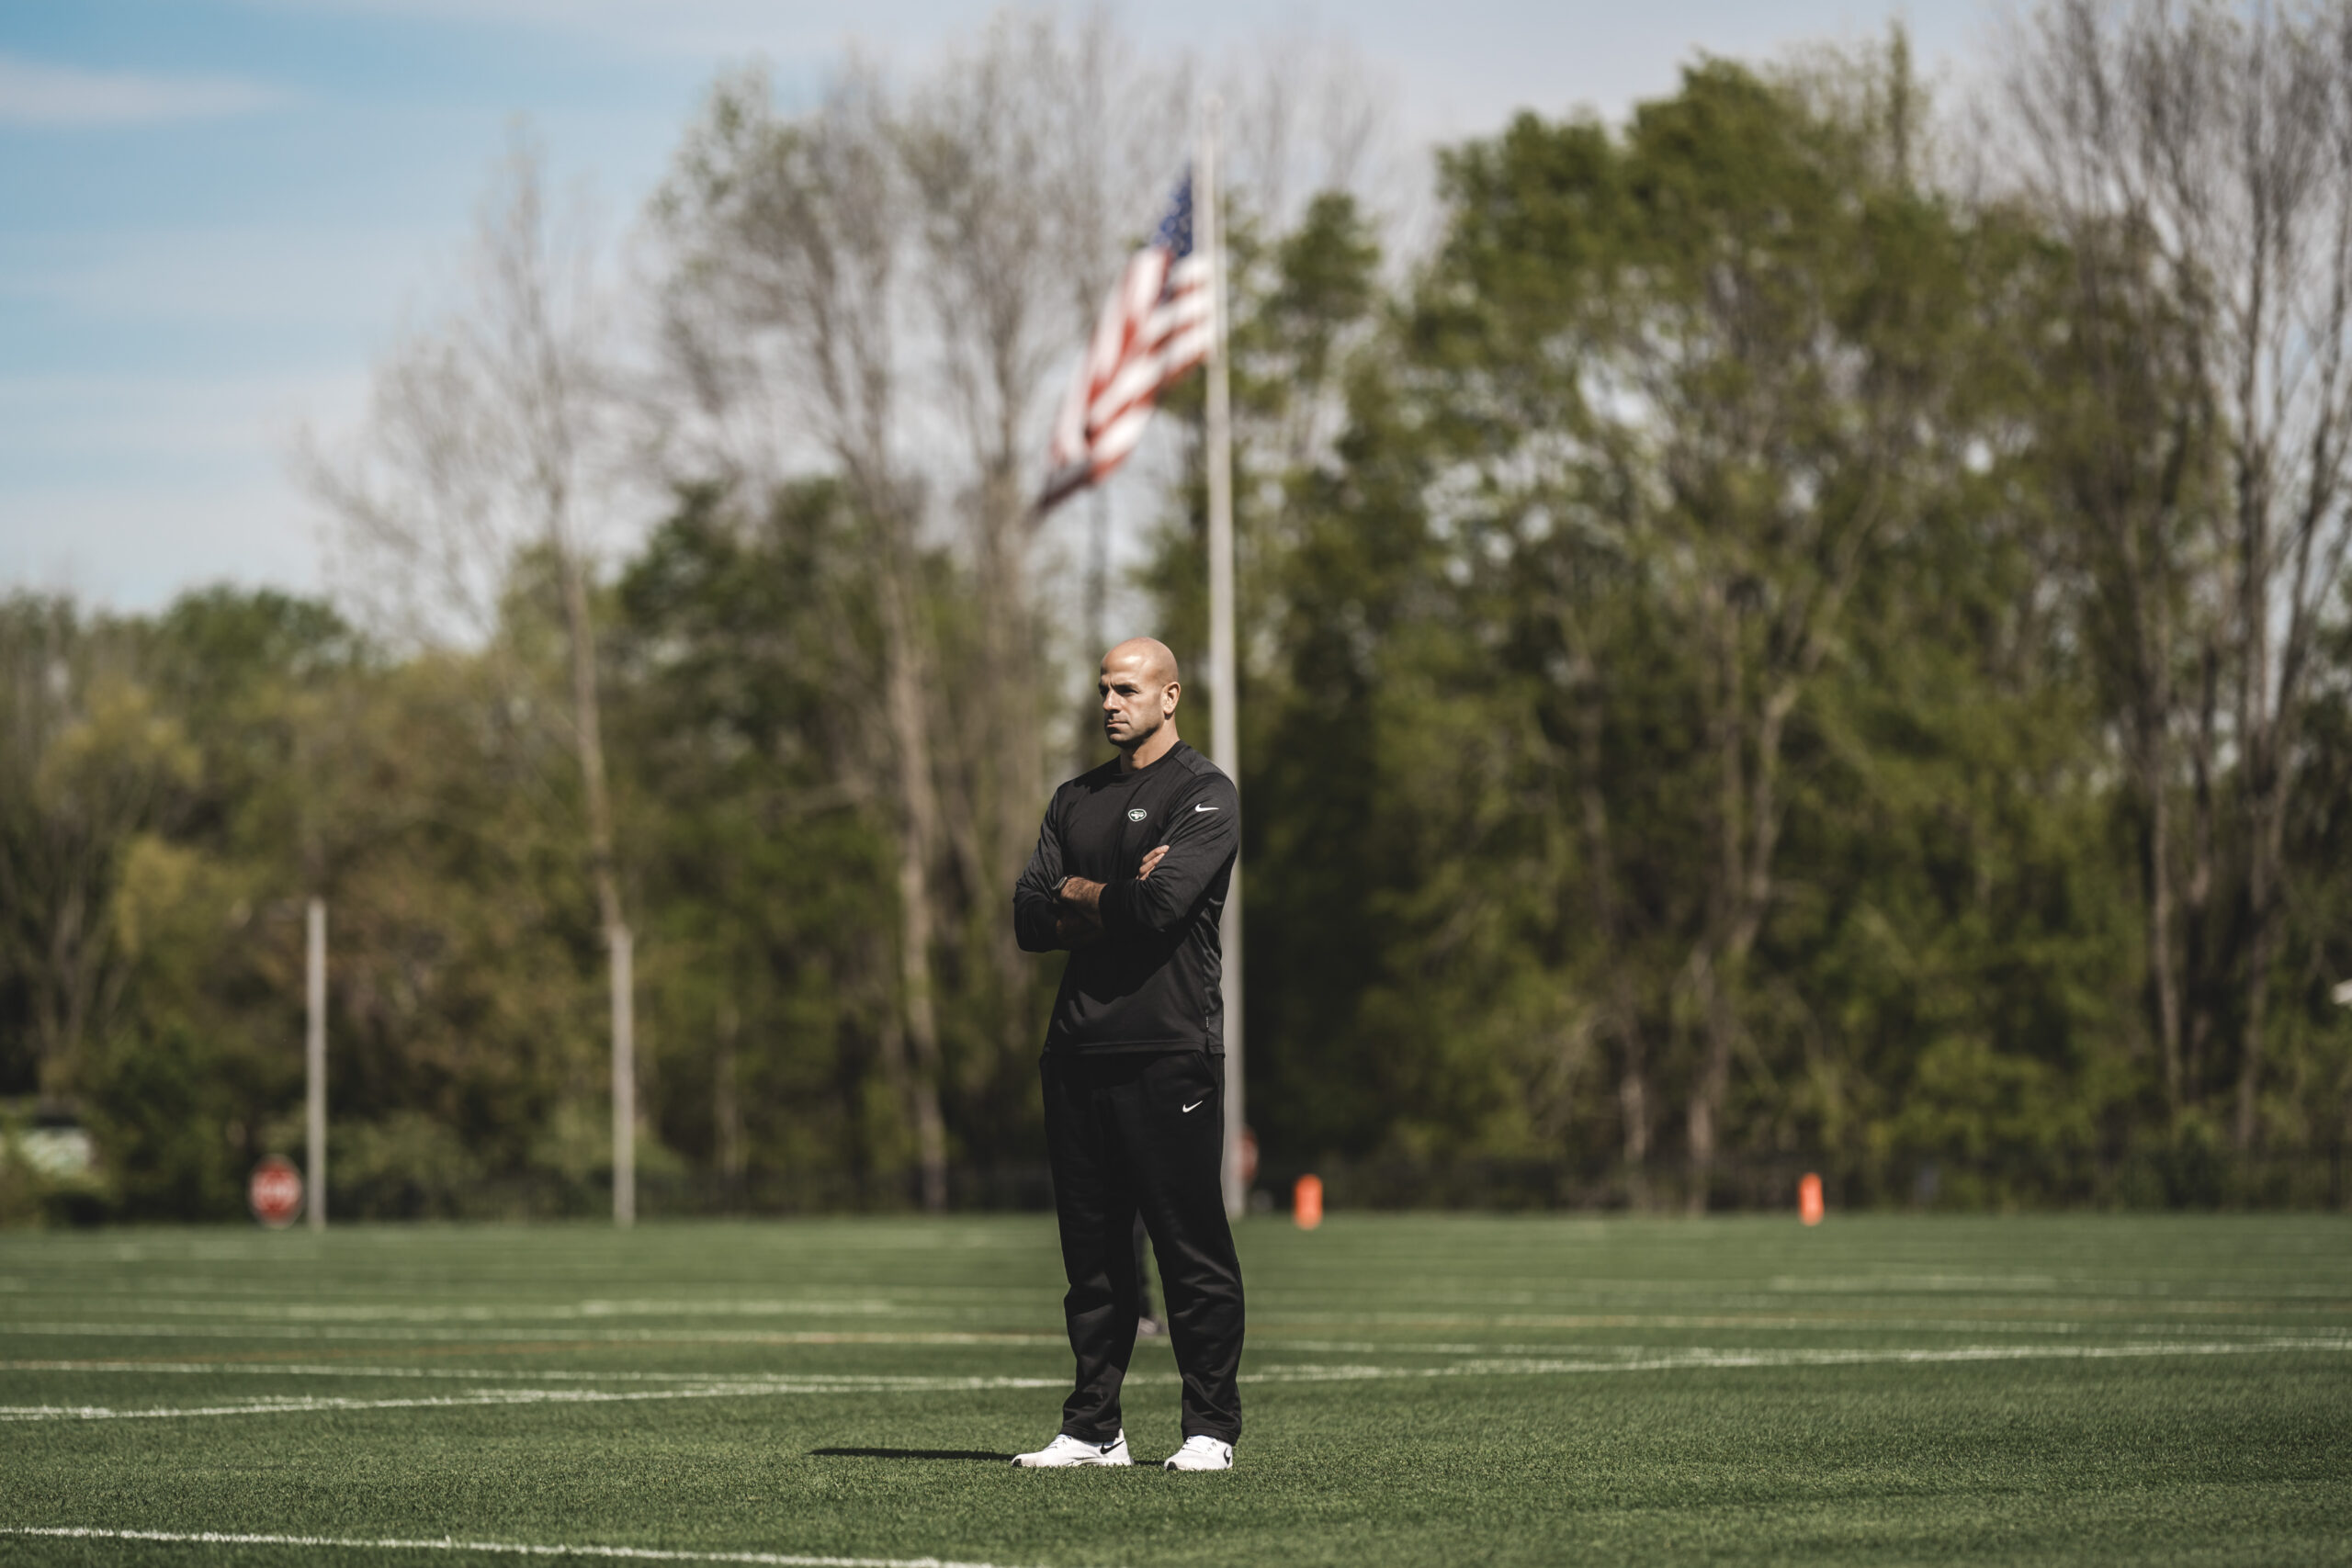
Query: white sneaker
x=1065, y=1450
x=1200, y=1451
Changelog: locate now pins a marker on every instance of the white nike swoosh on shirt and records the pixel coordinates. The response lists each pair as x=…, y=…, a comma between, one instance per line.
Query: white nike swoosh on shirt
x=1197, y=1105
x=1204, y=809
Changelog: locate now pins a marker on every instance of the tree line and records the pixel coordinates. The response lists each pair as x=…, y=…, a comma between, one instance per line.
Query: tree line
x=1809, y=625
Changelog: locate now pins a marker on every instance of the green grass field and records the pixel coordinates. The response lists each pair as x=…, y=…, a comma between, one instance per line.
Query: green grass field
x=1422, y=1389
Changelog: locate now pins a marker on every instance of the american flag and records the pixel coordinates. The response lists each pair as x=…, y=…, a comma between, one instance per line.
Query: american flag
x=1155, y=326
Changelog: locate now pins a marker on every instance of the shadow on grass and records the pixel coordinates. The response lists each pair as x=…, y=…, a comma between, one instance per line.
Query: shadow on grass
x=909, y=1453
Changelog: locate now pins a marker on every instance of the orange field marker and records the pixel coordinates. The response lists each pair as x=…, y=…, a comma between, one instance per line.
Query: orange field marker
x=1306, y=1203
x=1809, y=1208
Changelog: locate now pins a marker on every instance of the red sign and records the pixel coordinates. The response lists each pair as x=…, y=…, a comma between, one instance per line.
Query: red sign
x=276, y=1193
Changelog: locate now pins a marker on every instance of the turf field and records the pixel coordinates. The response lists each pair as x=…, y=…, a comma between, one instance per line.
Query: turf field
x=1420, y=1390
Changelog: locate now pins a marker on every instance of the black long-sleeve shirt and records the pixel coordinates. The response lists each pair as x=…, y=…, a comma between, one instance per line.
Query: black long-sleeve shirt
x=1154, y=981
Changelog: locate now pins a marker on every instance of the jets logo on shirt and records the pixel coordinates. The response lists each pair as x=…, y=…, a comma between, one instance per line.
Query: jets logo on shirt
x=1138, y=814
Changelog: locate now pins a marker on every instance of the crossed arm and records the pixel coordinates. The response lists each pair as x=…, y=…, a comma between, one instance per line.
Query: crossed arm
x=1052, y=908
x=1077, y=912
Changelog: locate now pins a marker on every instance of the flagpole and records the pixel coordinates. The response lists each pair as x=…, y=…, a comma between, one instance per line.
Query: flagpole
x=1225, y=719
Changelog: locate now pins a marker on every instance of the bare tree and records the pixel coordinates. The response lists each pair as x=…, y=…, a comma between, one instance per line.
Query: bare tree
x=973, y=140
x=1120, y=124
x=2219, y=140
x=791, y=237
x=484, y=443
x=1308, y=114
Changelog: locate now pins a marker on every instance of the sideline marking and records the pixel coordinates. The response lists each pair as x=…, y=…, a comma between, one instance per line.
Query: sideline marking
x=1633, y=1362
x=512, y=1547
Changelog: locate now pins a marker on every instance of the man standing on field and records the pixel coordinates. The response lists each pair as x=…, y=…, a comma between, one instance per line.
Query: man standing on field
x=1130, y=874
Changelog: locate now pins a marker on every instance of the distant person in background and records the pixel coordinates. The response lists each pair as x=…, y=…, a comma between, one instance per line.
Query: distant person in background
x=1130, y=875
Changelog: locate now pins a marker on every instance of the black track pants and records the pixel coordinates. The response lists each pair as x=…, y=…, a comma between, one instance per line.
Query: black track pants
x=1133, y=1133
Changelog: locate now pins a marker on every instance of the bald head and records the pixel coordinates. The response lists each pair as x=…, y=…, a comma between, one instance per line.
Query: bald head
x=1140, y=690
x=1150, y=658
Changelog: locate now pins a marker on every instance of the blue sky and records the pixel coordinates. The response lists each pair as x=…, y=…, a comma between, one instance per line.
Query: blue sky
x=215, y=214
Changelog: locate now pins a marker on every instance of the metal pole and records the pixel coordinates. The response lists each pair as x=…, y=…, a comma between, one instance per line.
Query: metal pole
x=1225, y=719
x=623, y=1080
x=1098, y=581
x=314, y=1070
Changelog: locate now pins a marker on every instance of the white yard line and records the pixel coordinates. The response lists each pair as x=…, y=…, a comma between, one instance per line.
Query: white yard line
x=495, y=1335
x=759, y=1388
x=453, y=1375
x=2251, y=1338
x=1680, y=1360
x=1275, y=1335
x=1271, y=1341
x=745, y=1389
x=594, y=1311
x=507, y=1548
x=335, y=1369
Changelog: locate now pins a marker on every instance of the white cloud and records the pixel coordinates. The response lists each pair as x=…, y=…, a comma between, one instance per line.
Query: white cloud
x=34, y=91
